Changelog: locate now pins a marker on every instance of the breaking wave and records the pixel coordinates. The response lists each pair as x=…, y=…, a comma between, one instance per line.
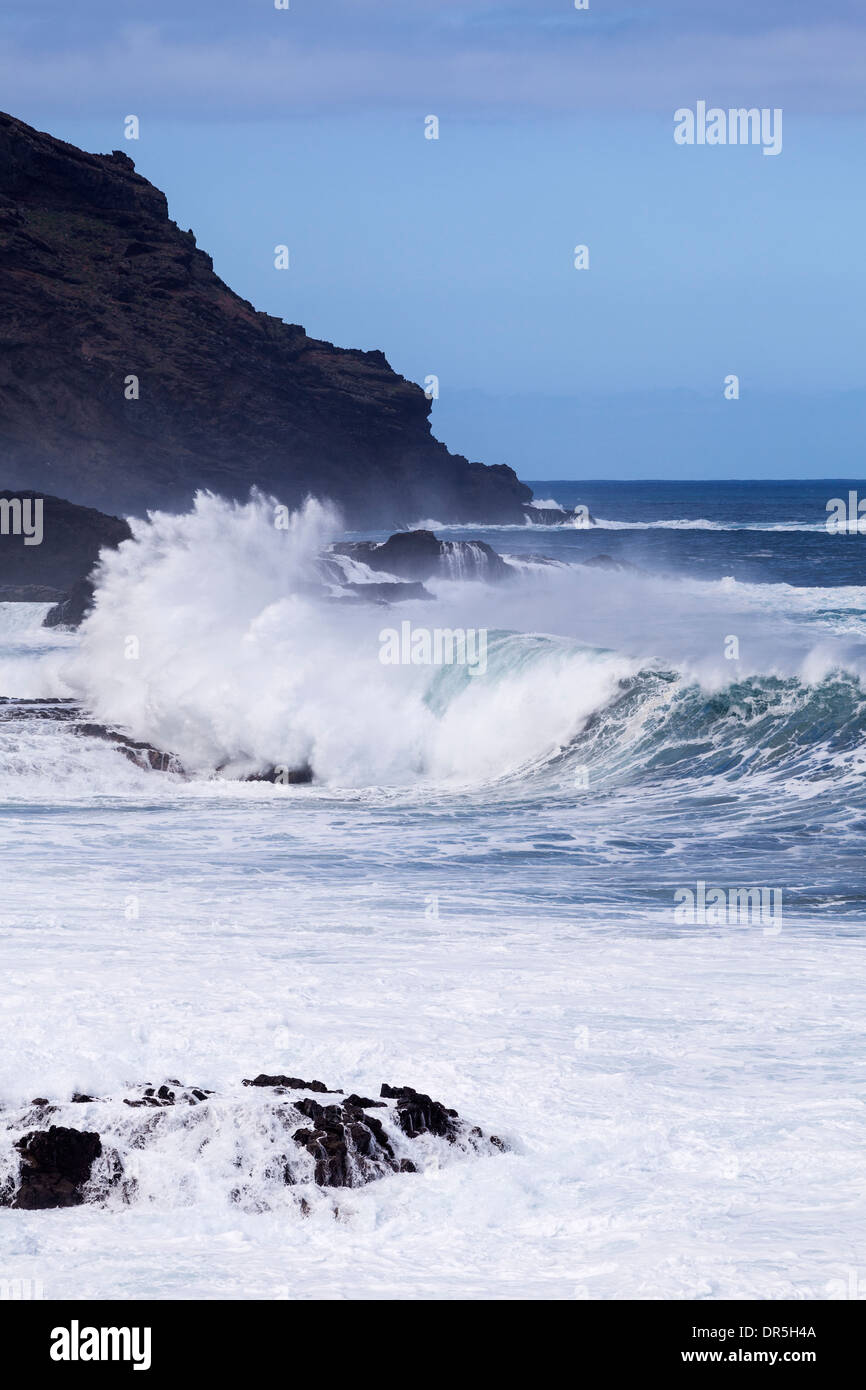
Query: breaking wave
x=218, y=637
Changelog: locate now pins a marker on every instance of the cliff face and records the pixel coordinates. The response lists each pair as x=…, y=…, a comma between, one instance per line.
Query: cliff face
x=63, y=546
x=97, y=284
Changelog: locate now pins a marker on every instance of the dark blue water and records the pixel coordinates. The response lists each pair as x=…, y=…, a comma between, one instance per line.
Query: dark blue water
x=741, y=539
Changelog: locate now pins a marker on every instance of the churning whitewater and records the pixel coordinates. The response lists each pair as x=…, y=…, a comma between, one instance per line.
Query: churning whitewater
x=475, y=895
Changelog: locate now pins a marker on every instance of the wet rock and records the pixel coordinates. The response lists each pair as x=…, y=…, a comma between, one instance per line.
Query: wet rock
x=159, y=1097
x=283, y=776
x=344, y=1143
x=352, y=1140
x=142, y=754
x=420, y=1114
x=293, y=1083
x=420, y=555
x=38, y=707
x=387, y=593
x=72, y=608
x=55, y=1165
x=552, y=516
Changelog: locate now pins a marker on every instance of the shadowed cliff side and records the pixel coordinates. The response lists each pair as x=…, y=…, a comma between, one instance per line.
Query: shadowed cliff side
x=98, y=285
x=61, y=553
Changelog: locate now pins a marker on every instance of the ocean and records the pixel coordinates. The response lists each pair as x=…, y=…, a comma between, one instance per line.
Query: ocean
x=606, y=897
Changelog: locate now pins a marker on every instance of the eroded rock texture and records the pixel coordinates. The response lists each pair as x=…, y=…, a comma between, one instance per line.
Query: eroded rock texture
x=280, y=1133
x=98, y=286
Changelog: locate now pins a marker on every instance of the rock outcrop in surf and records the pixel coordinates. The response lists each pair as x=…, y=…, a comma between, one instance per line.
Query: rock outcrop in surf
x=286, y=1133
x=420, y=555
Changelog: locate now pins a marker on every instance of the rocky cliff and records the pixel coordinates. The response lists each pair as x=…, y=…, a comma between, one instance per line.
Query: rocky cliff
x=61, y=548
x=98, y=286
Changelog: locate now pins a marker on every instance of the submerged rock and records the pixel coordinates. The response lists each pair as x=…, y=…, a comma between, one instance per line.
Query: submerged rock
x=38, y=707
x=142, y=754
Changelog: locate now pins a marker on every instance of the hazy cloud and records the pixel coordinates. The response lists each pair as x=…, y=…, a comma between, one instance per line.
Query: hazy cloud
x=249, y=60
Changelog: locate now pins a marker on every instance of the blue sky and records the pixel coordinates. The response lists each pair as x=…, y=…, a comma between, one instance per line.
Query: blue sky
x=306, y=127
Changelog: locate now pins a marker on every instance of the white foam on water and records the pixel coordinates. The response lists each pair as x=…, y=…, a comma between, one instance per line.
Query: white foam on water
x=447, y=909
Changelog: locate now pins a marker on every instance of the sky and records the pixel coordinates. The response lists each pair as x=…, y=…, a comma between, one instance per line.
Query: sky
x=306, y=127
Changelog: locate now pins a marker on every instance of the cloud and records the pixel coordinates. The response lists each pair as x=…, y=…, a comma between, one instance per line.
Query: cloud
x=470, y=58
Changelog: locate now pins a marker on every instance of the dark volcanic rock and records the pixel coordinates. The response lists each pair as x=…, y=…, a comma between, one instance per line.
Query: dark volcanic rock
x=99, y=286
x=41, y=707
x=345, y=1142
x=348, y=1145
x=142, y=754
x=72, y=536
x=552, y=516
x=421, y=555
x=55, y=1165
x=286, y=776
x=73, y=608
x=388, y=593
x=419, y=1114
x=292, y=1082
x=69, y=712
x=153, y=1097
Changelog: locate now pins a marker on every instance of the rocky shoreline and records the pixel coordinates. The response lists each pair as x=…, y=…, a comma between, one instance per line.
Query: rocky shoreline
x=408, y=557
